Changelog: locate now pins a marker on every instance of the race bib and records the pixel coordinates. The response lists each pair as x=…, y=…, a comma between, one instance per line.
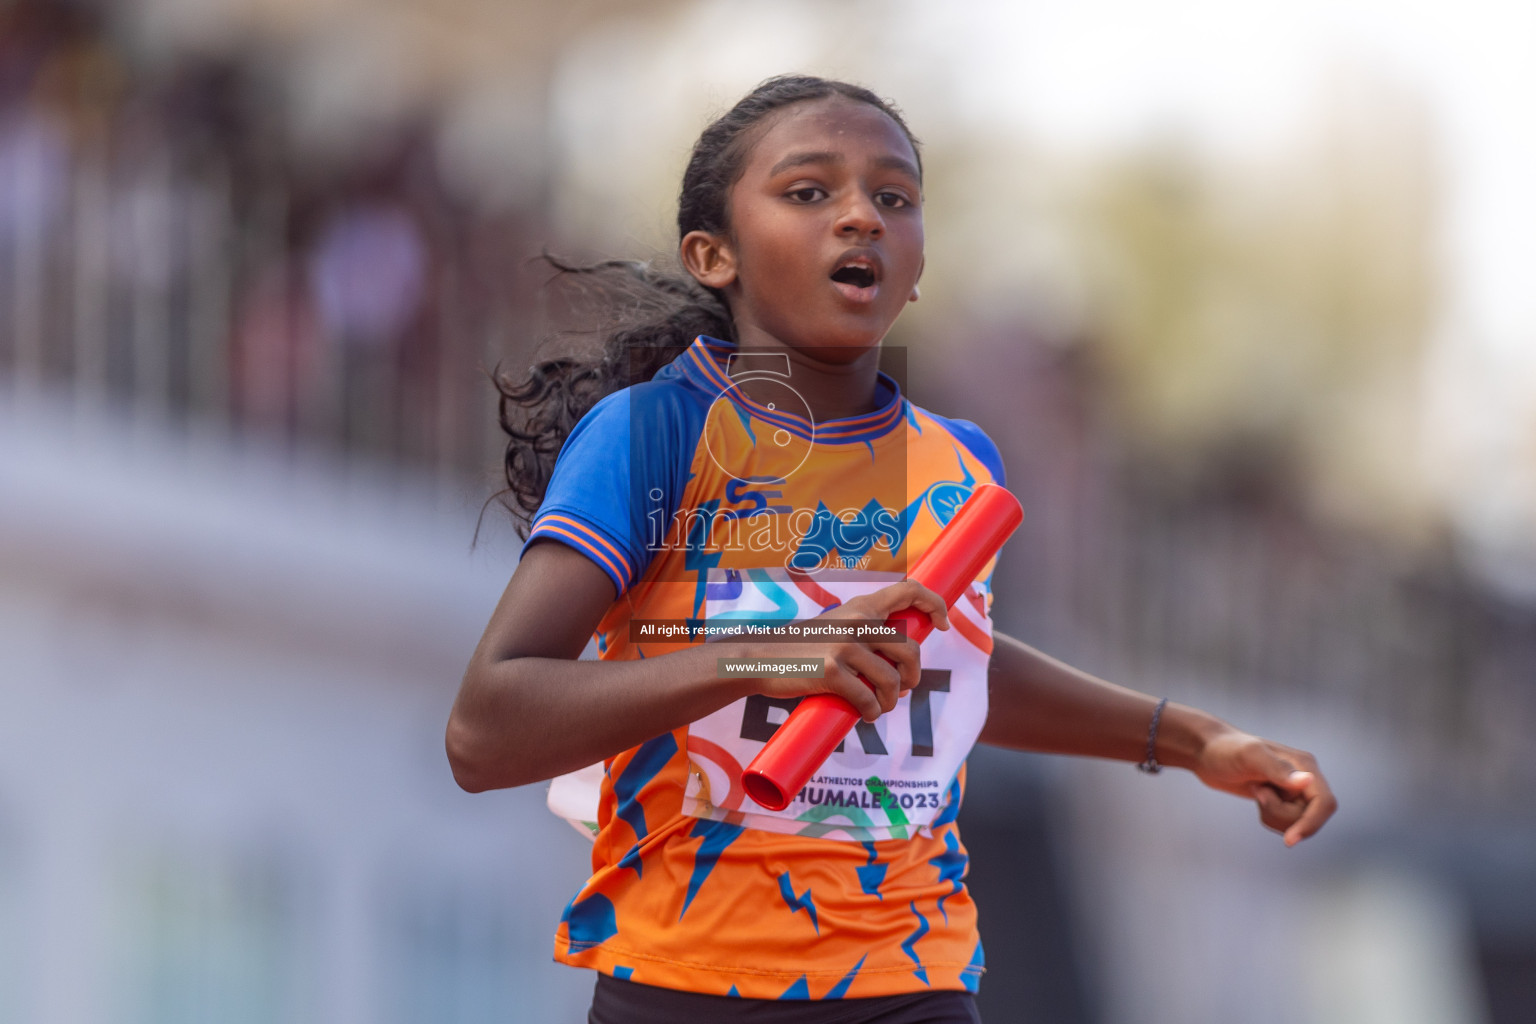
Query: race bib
x=889, y=778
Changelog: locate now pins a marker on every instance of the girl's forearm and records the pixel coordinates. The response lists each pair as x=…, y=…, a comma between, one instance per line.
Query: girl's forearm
x=1038, y=703
x=521, y=720
x=528, y=710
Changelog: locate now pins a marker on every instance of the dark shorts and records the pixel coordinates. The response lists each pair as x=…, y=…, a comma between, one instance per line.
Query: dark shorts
x=626, y=1002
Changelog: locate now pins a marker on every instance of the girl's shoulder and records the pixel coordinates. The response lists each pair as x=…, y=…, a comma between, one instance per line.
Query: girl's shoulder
x=653, y=409
x=626, y=459
x=974, y=439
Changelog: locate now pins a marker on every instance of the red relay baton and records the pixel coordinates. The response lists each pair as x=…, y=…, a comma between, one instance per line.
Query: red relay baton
x=818, y=724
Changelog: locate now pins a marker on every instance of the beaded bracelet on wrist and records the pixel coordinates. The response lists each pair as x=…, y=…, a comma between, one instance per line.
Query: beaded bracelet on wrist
x=1150, y=765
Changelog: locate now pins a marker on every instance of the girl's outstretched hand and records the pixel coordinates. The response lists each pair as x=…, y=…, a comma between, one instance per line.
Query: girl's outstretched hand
x=1293, y=797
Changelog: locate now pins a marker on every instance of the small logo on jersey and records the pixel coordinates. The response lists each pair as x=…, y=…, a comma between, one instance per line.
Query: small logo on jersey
x=944, y=500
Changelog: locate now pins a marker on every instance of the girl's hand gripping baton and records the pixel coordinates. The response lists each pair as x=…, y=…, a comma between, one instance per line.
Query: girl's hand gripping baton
x=819, y=723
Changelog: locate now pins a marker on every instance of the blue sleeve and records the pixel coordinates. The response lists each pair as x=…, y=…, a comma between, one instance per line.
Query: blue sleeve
x=619, y=478
x=979, y=445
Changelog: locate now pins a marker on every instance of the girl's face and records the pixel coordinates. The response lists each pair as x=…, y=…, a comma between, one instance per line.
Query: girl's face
x=825, y=244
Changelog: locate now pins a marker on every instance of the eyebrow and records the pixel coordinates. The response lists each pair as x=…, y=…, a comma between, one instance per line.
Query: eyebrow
x=888, y=162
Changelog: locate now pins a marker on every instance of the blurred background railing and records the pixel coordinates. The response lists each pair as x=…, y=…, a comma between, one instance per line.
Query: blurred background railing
x=1240, y=312
x=166, y=249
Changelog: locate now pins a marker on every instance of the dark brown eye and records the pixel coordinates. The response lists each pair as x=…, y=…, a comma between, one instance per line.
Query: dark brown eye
x=809, y=194
x=893, y=200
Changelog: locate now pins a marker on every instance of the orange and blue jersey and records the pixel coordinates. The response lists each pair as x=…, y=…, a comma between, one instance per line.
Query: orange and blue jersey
x=706, y=506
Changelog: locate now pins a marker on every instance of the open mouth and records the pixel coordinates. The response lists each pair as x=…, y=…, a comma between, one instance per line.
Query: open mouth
x=858, y=276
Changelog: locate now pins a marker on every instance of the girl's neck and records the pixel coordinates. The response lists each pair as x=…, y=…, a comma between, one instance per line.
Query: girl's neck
x=833, y=385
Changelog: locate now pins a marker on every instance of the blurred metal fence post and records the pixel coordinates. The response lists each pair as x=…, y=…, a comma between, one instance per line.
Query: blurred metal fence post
x=88, y=260
x=27, y=285
x=149, y=226
x=210, y=277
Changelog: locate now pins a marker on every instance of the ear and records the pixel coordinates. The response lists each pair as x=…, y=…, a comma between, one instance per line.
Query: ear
x=922, y=262
x=708, y=258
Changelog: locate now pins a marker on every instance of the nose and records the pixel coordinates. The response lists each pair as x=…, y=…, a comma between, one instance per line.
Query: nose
x=860, y=218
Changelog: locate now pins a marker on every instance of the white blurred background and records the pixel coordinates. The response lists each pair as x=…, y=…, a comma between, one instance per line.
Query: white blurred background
x=1242, y=291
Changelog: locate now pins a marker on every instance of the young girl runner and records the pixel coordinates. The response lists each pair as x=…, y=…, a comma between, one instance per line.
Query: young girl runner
x=736, y=455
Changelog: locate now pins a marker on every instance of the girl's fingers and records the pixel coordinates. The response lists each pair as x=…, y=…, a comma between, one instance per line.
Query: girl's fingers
x=1276, y=810
x=906, y=655
x=882, y=677
x=845, y=683
x=892, y=667
x=1295, y=799
x=910, y=594
x=1320, y=805
x=1283, y=772
x=932, y=603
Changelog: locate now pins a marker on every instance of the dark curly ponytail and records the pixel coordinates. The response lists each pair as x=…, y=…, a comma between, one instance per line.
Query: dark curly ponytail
x=655, y=315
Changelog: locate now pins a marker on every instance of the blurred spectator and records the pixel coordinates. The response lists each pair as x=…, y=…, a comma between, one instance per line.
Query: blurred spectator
x=366, y=272
x=162, y=239
x=34, y=162
x=276, y=343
